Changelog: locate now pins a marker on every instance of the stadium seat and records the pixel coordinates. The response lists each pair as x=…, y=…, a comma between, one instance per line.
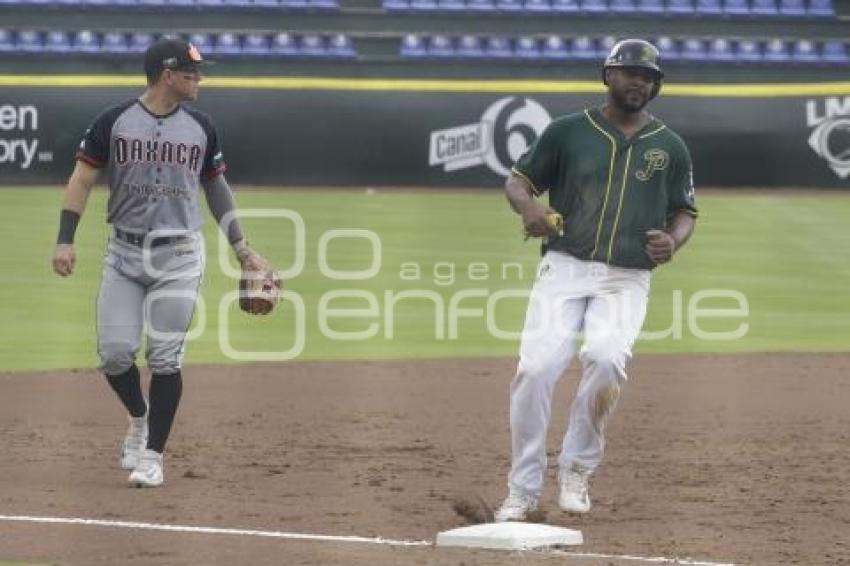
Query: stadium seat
x=153, y=4
x=835, y=51
x=312, y=45
x=554, y=48
x=29, y=41
x=720, y=50
x=805, y=51
x=794, y=8
x=283, y=44
x=256, y=45
x=323, y=5
x=736, y=8
x=538, y=6
x=776, y=51
x=412, y=46
x=423, y=5
x=267, y=4
x=594, y=6
x=821, y=8
x=709, y=8
x=451, y=5
x=85, y=41
x=604, y=46
x=396, y=5
x=293, y=5
x=694, y=50
x=340, y=46
x=749, y=51
x=7, y=43
x=527, y=48
x=441, y=47
x=498, y=47
x=623, y=6
x=57, y=42
x=764, y=8
x=584, y=48
x=202, y=41
x=509, y=6
x=481, y=6
x=565, y=6
x=140, y=41
x=650, y=7
x=227, y=43
x=668, y=49
x=680, y=7
x=469, y=47
x=229, y=4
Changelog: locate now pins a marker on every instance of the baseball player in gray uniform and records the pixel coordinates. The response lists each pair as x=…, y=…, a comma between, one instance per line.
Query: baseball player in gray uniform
x=157, y=153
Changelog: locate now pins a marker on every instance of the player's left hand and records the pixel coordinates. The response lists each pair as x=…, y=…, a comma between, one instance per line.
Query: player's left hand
x=660, y=246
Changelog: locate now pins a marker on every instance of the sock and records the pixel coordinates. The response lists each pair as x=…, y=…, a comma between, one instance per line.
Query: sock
x=165, y=392
x=128, y=387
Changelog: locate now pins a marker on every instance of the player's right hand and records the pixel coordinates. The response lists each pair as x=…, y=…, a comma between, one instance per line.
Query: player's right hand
x=535, y=219
x=64, y=258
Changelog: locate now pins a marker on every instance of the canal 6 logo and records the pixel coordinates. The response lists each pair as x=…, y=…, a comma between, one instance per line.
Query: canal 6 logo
x=506, y=130
x=830, y=138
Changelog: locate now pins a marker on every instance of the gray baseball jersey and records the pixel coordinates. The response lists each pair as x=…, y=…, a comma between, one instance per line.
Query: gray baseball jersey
x=154, y=165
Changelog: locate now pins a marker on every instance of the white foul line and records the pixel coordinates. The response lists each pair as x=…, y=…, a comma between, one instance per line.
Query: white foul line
x=313, y=537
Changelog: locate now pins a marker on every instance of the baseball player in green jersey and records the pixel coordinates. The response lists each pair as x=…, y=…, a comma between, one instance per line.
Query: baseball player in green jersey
x=622, y=182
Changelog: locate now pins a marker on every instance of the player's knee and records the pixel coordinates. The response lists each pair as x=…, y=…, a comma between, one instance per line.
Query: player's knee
x=163, y=365
x=116, y=357
x=606, y=360
x=541, y=371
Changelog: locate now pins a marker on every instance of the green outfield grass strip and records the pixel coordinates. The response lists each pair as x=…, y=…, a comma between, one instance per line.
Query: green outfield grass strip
x=755, y=90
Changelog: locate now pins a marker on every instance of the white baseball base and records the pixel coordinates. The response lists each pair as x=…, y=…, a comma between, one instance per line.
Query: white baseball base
x=509, y=536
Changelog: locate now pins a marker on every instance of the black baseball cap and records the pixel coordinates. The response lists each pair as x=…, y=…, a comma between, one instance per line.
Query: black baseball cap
x=172, y=53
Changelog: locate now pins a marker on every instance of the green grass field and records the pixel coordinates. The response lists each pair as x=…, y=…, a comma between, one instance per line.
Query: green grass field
x=787, y=255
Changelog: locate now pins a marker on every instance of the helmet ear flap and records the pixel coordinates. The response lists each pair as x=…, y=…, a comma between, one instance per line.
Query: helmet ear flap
x=655, y=89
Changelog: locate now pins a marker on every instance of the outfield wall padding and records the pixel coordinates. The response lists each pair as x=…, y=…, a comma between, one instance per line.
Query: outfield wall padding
x=295, y=136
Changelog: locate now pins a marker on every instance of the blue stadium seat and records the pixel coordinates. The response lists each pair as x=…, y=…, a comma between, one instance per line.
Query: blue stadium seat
x=554, y=48
x=229, y=4
x=202, y=41
x=650, y=7
x=565, y=6
x=594, y=6
x=7, y=42
x=509, y=6
x=323, y=5
x=721, y=51
x=29, y=41
x=451, y=5
x=396, y=5
x=423, y=5
x=749, y=51
x=604, y=46
x=256, y=45
x=694, y=50
x=736, y=8
x=709, y=8
x=821, y=8
x=124, y=3
x=668, y=48
x=57, y=42
x=623, y=6
x=527, y=48
x=835, y=51
x=776, y=51
x=498, y=47
x=283, y=44
x=312, y=45
x=441, y=47
x=340, y=46
x=294, y=5
x=413, y=46
x=764, y=8
x=469, y=47
x=227, y=43
x=680, y=7
x=796, y=8
x=481, y=6
x=584, y=48
x=805, y=51
x=538, y=6
x=152, y=4
x=140, y=41
x=268, y=4
x=85, y=41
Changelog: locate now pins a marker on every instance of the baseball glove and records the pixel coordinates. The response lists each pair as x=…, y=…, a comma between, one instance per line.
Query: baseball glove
x=259, y=291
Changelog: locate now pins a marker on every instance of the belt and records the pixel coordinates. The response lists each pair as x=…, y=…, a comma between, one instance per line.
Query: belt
x=139, y=239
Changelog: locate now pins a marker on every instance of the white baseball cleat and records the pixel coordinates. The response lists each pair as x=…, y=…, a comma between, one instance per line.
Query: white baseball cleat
x=149, y=471
x=574, y=497
x=134, y=443
x=516, y=507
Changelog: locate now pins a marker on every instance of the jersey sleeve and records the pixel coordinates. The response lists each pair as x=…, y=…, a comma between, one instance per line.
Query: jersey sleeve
x=539, y=165
x=214, y=164
x=94, y=147
x=681, y=190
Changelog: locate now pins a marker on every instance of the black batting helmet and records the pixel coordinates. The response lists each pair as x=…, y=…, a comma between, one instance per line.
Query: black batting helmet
x=635, y=53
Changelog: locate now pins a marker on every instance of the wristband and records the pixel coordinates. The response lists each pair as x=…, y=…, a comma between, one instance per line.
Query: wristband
x=68, y=220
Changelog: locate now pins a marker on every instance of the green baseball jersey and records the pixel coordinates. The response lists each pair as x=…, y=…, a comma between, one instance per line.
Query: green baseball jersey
x=609, y=189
